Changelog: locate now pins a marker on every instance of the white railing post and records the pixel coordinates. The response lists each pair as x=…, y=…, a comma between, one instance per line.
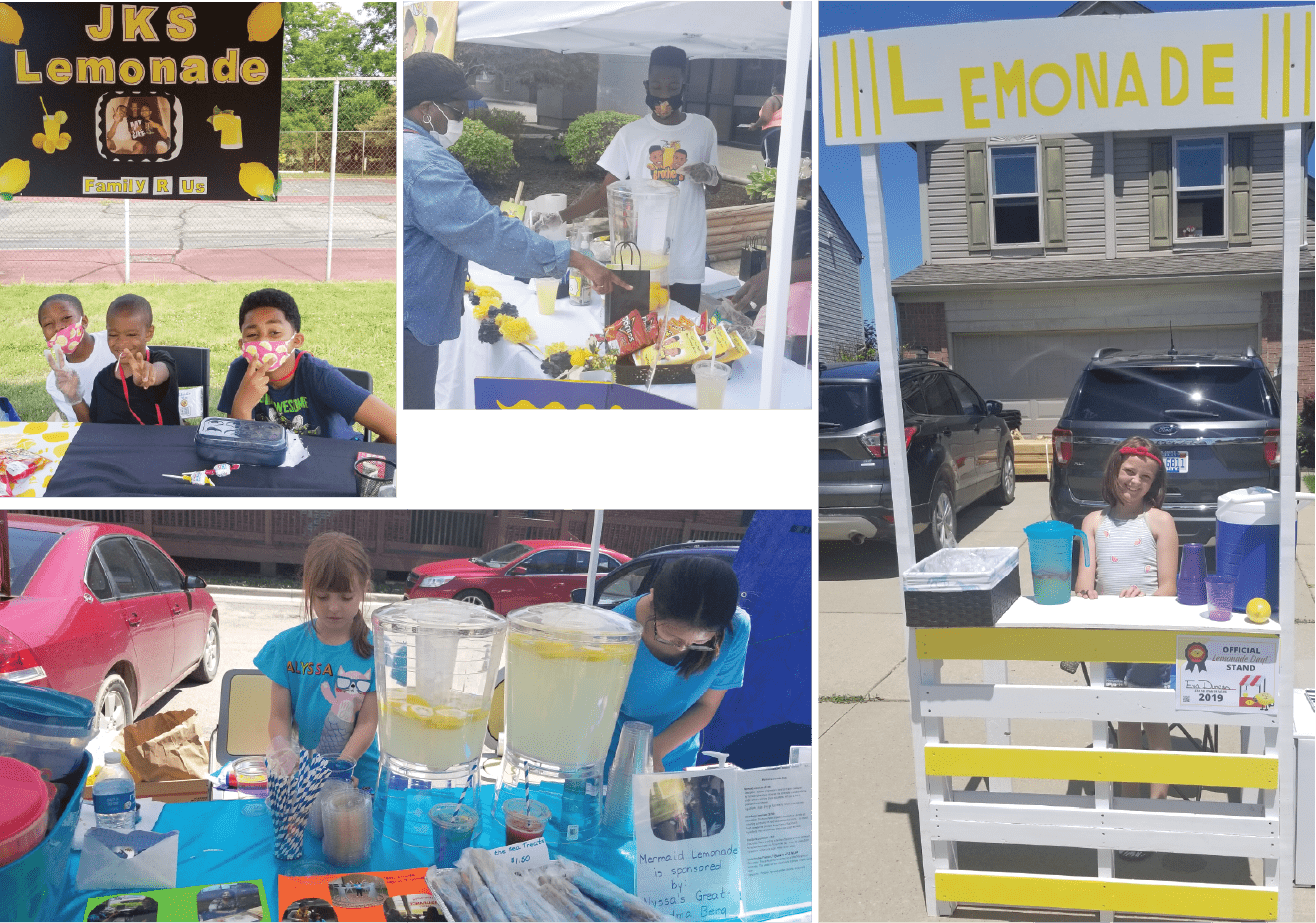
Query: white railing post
x=333, y=170
x=126, y=273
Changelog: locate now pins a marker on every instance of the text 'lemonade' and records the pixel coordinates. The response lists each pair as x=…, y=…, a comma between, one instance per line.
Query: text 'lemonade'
x=565, y=683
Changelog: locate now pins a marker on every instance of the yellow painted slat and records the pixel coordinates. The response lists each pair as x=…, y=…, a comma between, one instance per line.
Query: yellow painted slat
x=854, y=89
x=1214, y=769
x=1284, y=96
x=872, y=80
x=1118, y=645
x=1265, y=65
x=1234, y=903
x=836, y=91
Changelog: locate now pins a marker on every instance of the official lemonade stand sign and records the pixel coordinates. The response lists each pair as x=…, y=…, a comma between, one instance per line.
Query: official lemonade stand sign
x=162, y=101
x=1086, y=73
x=1226, y=673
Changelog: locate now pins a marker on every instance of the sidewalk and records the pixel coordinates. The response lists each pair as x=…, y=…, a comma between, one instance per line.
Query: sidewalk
x=869, y=853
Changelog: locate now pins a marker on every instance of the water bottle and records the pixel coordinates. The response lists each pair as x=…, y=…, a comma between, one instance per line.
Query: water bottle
x=579, y=289
x=114, y=796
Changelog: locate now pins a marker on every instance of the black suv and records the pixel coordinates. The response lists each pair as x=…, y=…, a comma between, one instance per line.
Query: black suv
x=958, y=448
x=636, y=576
x=1214, y=416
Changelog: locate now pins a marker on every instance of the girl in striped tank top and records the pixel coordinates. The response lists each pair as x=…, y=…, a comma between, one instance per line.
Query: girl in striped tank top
x=1136, y=553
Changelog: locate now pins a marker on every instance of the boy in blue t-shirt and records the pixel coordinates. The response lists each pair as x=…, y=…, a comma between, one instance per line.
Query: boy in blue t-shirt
x=301, y=393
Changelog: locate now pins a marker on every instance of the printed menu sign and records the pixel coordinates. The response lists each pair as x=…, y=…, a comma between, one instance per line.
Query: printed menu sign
x=119, y=101
x=719, y=843
x=1226, y=673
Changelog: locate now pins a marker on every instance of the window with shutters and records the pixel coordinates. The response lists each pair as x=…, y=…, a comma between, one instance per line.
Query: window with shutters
x=1199, y=188
x=1016, y=205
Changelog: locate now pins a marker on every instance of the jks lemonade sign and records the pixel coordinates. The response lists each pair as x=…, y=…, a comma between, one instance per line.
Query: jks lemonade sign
x=1226, y=673
x=161, y=101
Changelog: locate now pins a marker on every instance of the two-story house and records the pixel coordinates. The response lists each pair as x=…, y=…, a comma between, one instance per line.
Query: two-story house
x=1040, y=250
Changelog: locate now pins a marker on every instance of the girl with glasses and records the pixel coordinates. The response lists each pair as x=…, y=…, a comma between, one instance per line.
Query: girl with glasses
x=322, y=669
x=694, y=641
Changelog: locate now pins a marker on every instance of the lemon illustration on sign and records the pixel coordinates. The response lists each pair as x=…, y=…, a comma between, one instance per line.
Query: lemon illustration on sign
x=229, y=127
x=11, y=25
x=264, y=22
x=51, y=139
x=1265, y=699
x=14, y=176
x=1258, y=610
x=258, y=180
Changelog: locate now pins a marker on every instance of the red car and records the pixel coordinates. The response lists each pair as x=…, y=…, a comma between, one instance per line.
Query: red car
x=515, y=575
x=101, y=611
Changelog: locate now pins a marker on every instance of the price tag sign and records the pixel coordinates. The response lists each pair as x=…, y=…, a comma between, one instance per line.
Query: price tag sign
x=528, y=855
x=1224, y=673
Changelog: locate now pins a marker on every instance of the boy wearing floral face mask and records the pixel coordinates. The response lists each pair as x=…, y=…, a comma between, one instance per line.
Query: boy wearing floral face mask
x=275, y=380
x=74, y=354
x=671, y=146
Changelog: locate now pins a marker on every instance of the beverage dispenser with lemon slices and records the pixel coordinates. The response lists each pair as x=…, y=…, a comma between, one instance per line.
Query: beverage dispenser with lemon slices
x=641, y=225
x=436, y=663
x=567, y=668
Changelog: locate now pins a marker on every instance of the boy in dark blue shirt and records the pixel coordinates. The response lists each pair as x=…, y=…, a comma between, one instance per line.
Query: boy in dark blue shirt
x=284, y=385
x=141, y=385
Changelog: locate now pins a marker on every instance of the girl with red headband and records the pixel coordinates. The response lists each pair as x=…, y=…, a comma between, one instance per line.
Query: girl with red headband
x=1136, y=554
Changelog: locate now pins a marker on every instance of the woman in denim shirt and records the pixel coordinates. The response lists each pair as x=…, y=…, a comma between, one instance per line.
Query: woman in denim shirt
x=446, y=221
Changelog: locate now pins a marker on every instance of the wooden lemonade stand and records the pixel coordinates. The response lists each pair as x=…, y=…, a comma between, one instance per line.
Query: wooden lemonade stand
x=929, y=84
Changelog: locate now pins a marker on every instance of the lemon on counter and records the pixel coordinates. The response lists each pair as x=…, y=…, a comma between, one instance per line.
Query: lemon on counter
x=1258, y=610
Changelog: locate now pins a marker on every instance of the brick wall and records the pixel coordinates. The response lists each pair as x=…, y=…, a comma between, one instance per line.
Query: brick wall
x=923, y=326
x=1272, y=322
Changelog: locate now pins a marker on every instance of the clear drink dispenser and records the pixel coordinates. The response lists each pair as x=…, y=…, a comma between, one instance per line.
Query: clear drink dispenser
x=436, y=664
x=567, y=668
x=642, y=226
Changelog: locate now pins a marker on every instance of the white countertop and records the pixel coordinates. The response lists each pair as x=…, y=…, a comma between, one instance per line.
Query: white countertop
x=1155, y=613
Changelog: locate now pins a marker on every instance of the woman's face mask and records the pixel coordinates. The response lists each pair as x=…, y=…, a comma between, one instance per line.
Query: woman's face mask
x=269, y=353
x=69, y=338
x=446, y=138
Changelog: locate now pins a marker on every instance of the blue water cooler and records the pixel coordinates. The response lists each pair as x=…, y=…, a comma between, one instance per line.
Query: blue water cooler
x=1247, y=543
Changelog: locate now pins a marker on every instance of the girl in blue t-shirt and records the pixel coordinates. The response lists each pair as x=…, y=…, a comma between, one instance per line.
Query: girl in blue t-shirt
x=322, y=670
x=694, y=641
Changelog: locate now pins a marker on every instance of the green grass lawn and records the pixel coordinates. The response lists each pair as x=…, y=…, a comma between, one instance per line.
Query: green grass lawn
x=352, y=324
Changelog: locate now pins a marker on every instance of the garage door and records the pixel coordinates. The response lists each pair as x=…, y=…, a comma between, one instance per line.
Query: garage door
x=1034, y=372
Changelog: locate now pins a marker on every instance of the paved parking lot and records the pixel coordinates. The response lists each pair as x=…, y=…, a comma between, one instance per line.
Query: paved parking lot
x=869, y=854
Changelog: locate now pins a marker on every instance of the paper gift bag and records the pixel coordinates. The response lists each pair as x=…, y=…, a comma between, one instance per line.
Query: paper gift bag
x=166, y=747
x=619, y=302
x=140, y=859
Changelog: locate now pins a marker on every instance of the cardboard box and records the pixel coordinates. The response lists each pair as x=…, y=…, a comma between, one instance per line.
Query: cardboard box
x=170, y=792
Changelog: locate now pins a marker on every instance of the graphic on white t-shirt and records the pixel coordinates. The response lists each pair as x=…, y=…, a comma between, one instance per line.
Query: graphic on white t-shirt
x=666, y=161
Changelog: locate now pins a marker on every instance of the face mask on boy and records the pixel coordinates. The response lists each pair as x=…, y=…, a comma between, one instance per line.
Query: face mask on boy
x=446, y=138
x=68, y=339
x=269, y=353
x=664, y=106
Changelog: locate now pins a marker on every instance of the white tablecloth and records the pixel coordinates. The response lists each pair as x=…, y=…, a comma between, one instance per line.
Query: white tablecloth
x=572, y=324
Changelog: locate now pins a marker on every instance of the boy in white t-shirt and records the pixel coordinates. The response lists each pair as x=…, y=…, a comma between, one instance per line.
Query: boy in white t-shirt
x=670, y=146
x=74, y=353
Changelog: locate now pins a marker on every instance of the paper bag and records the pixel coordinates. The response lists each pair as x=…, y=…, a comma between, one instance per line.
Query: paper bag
x=166, y=747
x=140, y=859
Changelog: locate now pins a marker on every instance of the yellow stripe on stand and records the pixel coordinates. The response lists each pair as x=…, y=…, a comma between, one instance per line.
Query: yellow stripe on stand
x=1213, y=769
x=836, y=92
x=1196, y=901
x=1117, y=645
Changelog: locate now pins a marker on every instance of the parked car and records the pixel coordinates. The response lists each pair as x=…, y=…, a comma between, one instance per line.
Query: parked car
x=101, y=611
x=637, y=577
x=1214, y=416
x=515, y=575
x=957, y=446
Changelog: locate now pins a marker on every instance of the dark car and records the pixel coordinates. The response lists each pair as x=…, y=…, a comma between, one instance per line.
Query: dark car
x=512, y=576
x=100, y=611
x=1214, y=416
x=957, y=445
x=636, y=577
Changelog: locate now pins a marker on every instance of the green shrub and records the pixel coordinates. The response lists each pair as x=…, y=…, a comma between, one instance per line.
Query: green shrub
x=762, y=184
x=589, y=135
x=484, y=153
x=507, y=122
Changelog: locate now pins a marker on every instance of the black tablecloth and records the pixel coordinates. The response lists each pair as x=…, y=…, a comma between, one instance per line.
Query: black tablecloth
x=105, y=460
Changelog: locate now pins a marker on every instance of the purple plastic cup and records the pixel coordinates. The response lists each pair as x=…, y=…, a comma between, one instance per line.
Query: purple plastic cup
x=1219, y=597
x=1192, y=574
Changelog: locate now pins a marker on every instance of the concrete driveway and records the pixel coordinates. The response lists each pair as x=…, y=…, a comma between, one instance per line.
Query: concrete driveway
x=869, y=854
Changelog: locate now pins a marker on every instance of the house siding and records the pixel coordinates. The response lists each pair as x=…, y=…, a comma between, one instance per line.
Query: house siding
x=840, y=297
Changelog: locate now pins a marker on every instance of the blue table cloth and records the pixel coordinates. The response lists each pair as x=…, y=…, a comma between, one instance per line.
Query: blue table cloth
x=225, y=841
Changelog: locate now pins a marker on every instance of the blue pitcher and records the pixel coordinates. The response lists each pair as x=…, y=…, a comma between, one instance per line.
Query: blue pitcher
x=1050, y=546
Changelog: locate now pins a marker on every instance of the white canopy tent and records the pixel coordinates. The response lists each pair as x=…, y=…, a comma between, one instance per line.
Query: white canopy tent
x=750, y=29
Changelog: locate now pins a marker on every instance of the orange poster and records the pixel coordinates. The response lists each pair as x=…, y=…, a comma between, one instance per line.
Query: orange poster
x=397, y=895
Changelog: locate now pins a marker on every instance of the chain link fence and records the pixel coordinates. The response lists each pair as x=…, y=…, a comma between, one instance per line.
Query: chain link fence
x=338, y=163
